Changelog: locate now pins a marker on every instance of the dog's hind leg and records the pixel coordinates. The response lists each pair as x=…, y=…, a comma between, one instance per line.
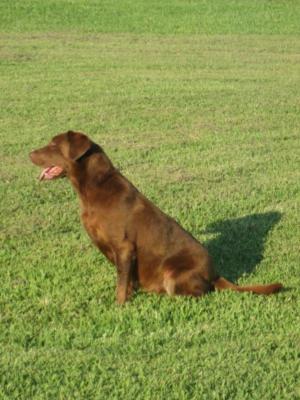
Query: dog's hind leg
x=169, y=283
x=188, y=284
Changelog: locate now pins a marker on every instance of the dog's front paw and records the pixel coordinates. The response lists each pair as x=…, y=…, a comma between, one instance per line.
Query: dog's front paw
x=121, y=297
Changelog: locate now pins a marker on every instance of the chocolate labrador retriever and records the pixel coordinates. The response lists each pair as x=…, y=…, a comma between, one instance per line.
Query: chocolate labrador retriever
x=149, y=248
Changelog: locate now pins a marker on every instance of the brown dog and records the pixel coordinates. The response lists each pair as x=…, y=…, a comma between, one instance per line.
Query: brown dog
x=148, y=247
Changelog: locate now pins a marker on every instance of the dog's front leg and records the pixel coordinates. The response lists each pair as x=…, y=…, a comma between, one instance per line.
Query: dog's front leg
x=125, y=264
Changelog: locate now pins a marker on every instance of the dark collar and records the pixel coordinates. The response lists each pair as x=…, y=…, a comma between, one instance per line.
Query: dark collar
x=92, y=150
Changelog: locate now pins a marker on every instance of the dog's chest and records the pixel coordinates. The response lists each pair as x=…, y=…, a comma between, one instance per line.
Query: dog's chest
x=97, y=232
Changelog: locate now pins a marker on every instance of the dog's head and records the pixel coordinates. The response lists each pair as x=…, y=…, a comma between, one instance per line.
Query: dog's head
x=63, y=150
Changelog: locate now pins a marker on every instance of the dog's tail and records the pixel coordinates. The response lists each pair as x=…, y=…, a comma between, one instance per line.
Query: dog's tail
x=222, y=283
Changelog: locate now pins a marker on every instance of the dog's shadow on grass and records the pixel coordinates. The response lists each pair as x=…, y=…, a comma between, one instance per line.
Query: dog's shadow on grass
x=239, y=246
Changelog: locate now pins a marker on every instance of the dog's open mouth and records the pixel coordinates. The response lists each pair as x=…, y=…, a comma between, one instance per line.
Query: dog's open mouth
x=51, y=173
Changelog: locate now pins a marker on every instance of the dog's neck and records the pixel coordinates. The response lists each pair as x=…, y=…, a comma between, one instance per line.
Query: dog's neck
x=91, y=169
x=92, y=150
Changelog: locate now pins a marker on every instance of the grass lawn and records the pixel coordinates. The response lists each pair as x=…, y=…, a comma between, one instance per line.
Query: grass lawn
x=197, y=102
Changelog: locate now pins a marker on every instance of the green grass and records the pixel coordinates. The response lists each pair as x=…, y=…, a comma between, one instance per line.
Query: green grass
x=156, y=16
x=206, y=124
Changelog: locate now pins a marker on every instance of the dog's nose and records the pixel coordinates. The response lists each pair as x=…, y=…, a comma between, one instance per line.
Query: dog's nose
x=31, y=155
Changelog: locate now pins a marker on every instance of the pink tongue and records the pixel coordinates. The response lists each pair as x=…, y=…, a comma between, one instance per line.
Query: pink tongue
x=50, y=173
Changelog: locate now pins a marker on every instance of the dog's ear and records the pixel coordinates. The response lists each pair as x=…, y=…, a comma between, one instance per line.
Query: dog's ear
x=79, y=144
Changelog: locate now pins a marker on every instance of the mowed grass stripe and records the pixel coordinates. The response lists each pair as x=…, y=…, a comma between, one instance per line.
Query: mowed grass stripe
x=160, y=17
